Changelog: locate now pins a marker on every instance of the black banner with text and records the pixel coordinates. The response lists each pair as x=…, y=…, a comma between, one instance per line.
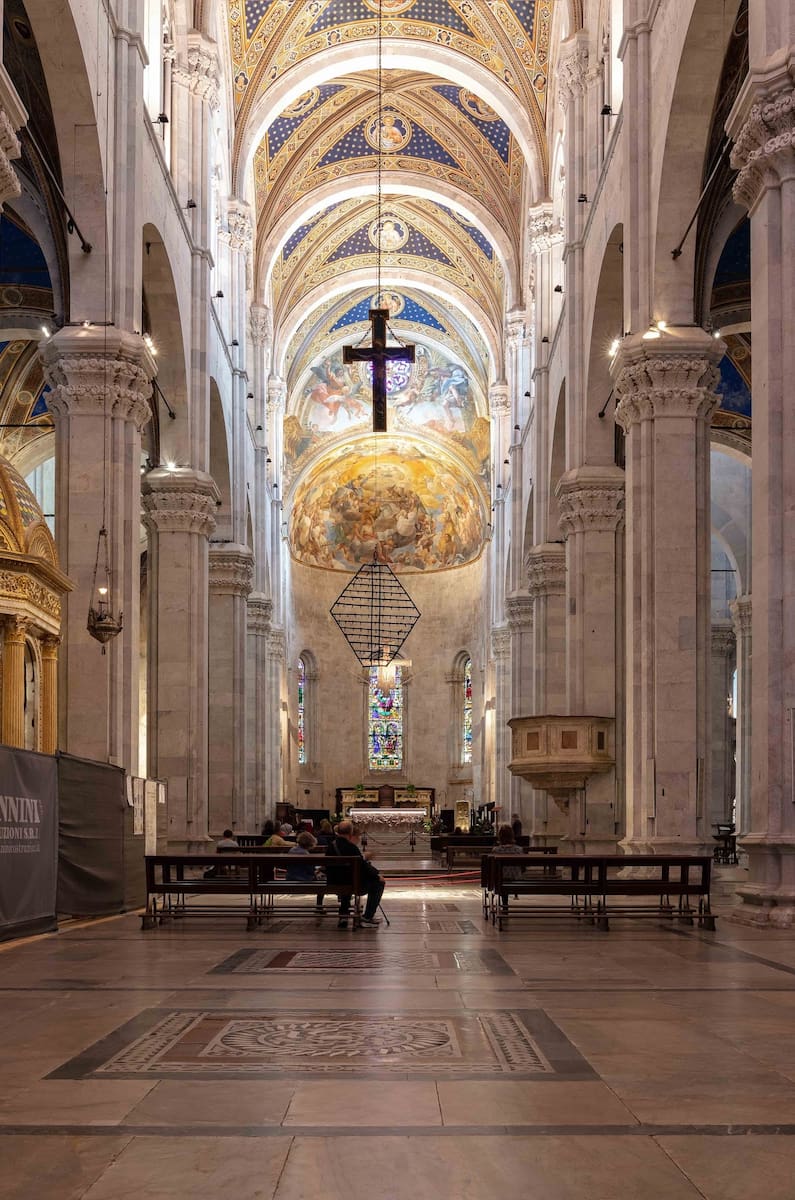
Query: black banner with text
x=28, y=841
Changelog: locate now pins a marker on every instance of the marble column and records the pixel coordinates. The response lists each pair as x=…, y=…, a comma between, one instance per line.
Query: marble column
x=722, y=725
x=741, y=610
x=591, y=503
x=257, y=712
x=665, y=398
x=277, y=722
x=179, y=513
x=12, y=118
x=762, y=124
x=501, y=657
x=519, y=611
x=545, y=566
x=101, y=381
x=231, y=572
x=49, y=694
x=15, y=631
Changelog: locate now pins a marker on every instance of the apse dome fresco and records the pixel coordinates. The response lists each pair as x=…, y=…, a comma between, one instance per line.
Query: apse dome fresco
x=397, y=184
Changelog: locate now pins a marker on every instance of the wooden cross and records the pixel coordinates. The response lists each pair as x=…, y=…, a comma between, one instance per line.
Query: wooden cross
x=379, y=354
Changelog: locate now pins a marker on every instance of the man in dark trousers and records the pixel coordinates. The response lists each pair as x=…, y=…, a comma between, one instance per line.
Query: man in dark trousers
x=345, y=845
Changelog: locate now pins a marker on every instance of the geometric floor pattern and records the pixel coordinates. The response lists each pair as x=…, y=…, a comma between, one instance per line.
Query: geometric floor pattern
x=359, y=1044
x=256, y=962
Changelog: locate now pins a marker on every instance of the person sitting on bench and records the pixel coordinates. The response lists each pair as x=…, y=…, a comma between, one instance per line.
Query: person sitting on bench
x=298, y=872
x=345, y=845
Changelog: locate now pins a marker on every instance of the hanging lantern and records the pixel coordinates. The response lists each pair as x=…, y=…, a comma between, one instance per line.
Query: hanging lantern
x=376, y=614
x=102, y=624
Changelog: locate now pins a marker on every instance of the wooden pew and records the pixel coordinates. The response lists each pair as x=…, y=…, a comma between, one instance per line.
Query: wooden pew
x=595, y=889
x=171, y=879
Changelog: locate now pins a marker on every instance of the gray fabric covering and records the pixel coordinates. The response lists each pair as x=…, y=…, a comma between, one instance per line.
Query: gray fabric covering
x=28, y=841
x=93, y=814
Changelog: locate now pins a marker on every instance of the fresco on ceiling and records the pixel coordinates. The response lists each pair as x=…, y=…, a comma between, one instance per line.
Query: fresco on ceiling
x=410, y=507
x=397, y=304
x=735, y=395
x=433, y=396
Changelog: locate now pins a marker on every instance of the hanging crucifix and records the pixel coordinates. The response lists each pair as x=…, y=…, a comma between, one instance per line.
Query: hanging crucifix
x=379, y=354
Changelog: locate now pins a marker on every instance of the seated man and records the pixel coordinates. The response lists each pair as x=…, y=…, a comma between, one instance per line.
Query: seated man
x=345, y=845
x=227, y=842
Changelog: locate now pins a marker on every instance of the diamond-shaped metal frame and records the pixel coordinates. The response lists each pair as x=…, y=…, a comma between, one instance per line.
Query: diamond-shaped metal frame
x=375, y=614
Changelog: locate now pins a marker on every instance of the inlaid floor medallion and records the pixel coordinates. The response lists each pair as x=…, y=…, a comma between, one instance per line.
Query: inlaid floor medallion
x=208, y=1044
x=366, y=958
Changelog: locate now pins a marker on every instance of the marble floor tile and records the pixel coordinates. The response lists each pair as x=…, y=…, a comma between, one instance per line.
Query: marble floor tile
x=737, y=1168
x=480, y=1168
x=179, y=1168
x=361, y=1103
x=236, y=1102
x=33, y=1167
x=72, y=1102
x=522, y=1102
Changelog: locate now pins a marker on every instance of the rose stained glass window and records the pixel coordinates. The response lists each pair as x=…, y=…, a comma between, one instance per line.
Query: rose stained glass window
x=385, y=724
x=301, y=711
x=466, y=738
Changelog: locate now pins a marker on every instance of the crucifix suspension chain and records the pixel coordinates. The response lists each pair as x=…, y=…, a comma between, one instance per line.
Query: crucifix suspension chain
x=379, y=354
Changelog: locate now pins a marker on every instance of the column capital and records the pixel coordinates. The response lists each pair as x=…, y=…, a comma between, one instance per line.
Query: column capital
x=545, y=229
x=277, y=644
x=591, y=499
x=573, y=71
x=276, y=392
x=516, y=326
x=49, y=645
x=259, y=324
x=723, y=639
x=741, y=611
x=12, y=118
x=199, y=70
x=98, y=371
x=179, y=501
x=762, y=124
x=231, y=569
x=500, y=642
x=671, y=376
x=259, y=612
x=545, y=565
x=239, y=224
x=519, y=611
x=499, y=399
x=15, y=630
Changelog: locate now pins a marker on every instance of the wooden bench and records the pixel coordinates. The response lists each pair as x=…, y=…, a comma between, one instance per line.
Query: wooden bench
x=475, y=849
x=170, y=880
x=595, y=888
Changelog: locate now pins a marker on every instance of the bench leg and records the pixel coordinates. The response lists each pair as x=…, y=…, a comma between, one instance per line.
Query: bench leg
x=705, y=917
x=149, y=915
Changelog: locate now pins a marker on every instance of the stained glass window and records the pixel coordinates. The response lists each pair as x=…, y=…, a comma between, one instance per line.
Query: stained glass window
x=301, y=711
x=466, y=740
x=385, y=724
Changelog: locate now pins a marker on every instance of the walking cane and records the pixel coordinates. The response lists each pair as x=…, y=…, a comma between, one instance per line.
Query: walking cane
x=383, y=914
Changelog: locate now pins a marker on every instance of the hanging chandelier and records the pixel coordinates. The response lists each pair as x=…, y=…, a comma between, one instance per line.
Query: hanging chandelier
x=102, y=624
x=375, y=614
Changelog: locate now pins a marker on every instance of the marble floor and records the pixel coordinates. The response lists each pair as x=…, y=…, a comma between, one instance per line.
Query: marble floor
x=434, y=1058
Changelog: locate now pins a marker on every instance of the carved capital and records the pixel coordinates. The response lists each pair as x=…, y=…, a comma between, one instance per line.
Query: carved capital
x=259, y=324
x=519, y=611
x=674, y=376
x=545, y=229
x=15, y=631
x=276, y=392
x=516, y=328
x=49, y=648
x=591, y=499
x=199, y=71
x=500, y=642
x=546, y=570
x=12, y=118
x=723, y=640
x=573, y=71
x=277, y=644
x=231, y=569
x=240, y=225
x=741, y=611
x=499, y=400
x=179, y=501
x=259, y=611
x=98, y=372
x=763, y=125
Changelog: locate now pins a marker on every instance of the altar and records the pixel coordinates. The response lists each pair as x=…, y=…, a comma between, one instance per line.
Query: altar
x=391, y=818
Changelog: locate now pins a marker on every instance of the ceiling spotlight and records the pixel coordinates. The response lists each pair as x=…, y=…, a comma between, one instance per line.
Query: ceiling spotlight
x=662, y=326
x=545, y=340
x=259, y=430
x=160, y=119
x=529, y=397
x=607, y=110
x=45, y=331
x=219, y=295
x=249, y=395
x=506, y=462
x=717, y=334
x=652, y=333
x=558, y=288
x=234, y=342
x=582, y=198
x=268, y=460
x=190, y=204
x=613, y=351
x=517, y=428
